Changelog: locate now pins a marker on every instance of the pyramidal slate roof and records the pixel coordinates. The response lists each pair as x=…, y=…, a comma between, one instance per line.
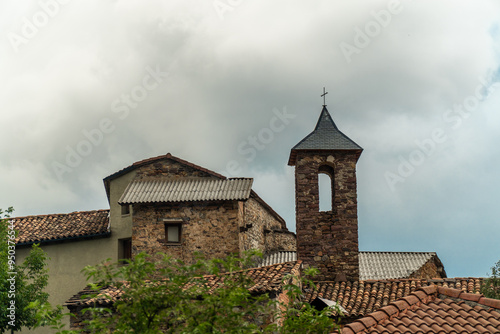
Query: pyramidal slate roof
x=326, y=136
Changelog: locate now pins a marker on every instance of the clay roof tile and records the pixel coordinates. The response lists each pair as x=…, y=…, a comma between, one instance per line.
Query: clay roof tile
x=449, y=292
x=59, y=227
x=435, y=315
x=494, y=303
x=470, y=296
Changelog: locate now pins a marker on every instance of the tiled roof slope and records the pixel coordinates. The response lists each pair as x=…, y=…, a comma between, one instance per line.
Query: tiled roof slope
x=360, y=298
x=433, y=309
x=326, y=136
x=375, y=265
x=186, y=189
x=391, y=265
x=266, y=279
x=56, y=227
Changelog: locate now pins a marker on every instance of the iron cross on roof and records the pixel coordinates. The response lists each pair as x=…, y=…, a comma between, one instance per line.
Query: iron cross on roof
x=324, y=97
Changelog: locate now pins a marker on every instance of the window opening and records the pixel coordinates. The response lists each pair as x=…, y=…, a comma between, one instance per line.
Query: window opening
x=326, y=189
x=125, y=209
x=125, y=249
x=173, y=232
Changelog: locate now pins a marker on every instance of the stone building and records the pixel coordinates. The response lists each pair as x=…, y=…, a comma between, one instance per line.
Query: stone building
x=162, y=204
x=178, y=208
x=166, y=204
x=327, y=240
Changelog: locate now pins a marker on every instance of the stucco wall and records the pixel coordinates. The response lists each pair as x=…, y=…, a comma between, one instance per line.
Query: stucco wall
x=66, y=262
x=67, y=259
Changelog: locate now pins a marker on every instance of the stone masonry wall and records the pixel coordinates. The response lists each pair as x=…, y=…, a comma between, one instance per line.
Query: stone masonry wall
x=208, y=228
x=260, y=229
x=428, y=270
x=169, y=168
x=327, y=240
x=280, y=240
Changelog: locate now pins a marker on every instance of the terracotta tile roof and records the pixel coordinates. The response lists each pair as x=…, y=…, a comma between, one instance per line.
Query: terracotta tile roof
x=266, y=279
x=57, y=227
x=164, y=190
x=433, y=309
x=360, y=298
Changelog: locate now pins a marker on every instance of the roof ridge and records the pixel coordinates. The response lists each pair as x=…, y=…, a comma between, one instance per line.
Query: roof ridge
x=257, y=268
x=187, y=178
x=59, y=214
x=395, y=252
x=478, y=298
x=160, y=157
x=428, y=280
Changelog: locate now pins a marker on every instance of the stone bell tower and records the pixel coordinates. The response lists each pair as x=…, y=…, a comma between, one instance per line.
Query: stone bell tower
x=327, y=240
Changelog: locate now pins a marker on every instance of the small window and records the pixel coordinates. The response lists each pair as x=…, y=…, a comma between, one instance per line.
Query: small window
x=125, y=209
x=125, y=249
x=325, y=192
x=173, y=232
x=326, y=185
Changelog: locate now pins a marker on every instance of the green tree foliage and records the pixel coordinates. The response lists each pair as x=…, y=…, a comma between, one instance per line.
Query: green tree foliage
x=299, y=316
x=169, y=296
x=20, y=283
x=491, y=286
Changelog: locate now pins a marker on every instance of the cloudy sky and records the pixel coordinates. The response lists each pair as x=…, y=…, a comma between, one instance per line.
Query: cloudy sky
x=89, y=87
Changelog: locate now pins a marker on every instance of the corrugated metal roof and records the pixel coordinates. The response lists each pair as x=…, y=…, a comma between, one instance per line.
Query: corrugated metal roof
x=186, y=189
x=391, y=265
x=277, y=257
x=372, y=265
x=326, y=136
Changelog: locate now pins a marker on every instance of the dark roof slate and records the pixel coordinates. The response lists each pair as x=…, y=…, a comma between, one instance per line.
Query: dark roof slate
x=326, y=136
x=58, y=227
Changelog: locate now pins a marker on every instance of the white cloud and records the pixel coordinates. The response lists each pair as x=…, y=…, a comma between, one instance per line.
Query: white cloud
x=226, y=77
